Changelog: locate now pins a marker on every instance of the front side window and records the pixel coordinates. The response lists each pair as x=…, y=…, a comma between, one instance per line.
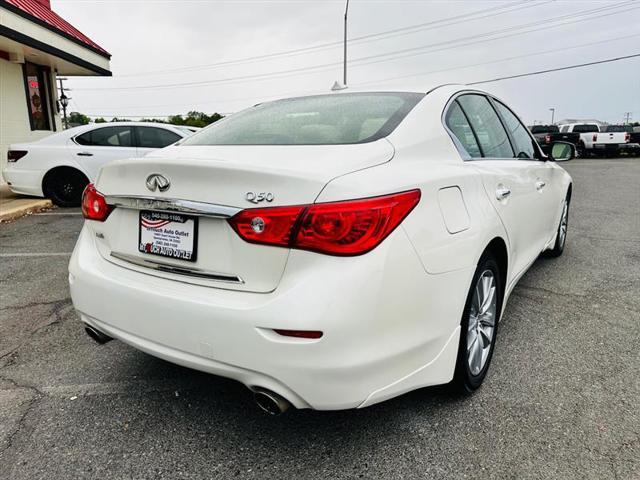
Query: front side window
x=153, y=137
x=38, y=96
x=488, y=128
x=342, y=118
x=523, y=142
x=107, y=137
x=458, y=124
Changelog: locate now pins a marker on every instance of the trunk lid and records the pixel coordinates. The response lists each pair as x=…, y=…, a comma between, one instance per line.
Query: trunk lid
x=221, y=176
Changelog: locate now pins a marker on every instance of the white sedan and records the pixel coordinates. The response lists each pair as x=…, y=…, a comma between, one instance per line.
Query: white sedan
x=329, y=251
x=61, y=165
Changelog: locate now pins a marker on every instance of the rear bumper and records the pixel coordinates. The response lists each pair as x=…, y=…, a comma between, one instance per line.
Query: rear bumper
x=608, y=146
x=389, y=327
x=25, y=182
x=630, y=146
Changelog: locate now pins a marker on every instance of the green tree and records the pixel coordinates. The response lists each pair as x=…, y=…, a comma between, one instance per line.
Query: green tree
x=77, y=118
x=153, y=120
x=100, y=120
x=194, y=119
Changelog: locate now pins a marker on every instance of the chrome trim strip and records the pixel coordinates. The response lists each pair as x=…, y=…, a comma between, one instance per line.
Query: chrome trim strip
x=172, y=205
x=178, y=270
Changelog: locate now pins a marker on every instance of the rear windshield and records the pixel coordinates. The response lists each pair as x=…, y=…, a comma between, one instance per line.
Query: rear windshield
x=544, y=129
x=586, y=128
x=618, y=128
x=342, y=118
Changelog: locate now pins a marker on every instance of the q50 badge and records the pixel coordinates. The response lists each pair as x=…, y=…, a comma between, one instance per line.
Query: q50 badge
x=254, y=197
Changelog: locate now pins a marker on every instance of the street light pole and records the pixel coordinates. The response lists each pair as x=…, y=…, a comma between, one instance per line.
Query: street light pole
x=64, y=101
x=553, y=112
x=344, y=78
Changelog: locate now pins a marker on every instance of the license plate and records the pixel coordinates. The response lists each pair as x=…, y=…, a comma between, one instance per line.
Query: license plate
x=168, y=235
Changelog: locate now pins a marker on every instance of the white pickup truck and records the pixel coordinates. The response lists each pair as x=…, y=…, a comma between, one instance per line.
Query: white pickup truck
x=595, y=141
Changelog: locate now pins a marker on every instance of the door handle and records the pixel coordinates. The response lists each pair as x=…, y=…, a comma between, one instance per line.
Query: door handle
x=84, y=154
x=502, y=192
x=540, y=185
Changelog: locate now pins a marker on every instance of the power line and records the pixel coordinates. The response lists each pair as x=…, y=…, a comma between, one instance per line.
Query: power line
x=384, y=80
x=355, y=40
x=540, y=72
x=362, y=61
x=521, y=75
x=505, y=59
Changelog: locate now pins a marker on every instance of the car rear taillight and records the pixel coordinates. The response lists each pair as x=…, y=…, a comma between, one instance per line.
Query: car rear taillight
x=627, y=137
x=595, y=137
x=547, y=139
x=345, y=228
x=15, y=155
x=94, y=205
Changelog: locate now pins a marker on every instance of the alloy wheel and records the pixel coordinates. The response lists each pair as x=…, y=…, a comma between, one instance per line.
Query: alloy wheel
x=562, y=232
x=482, y=322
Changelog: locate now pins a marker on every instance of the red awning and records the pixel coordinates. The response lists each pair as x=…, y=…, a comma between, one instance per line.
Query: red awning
x=41, y=13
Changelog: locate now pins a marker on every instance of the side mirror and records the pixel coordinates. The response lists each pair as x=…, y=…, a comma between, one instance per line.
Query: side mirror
x=562, y=151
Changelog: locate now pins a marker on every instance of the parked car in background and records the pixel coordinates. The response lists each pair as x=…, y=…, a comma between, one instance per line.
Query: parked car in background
x=595, y=142
x=546, y=135
x=330, y=251
x=61, y=165
x=633, y=146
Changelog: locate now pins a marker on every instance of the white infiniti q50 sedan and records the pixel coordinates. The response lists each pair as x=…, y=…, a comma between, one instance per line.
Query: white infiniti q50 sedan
x=330, y=251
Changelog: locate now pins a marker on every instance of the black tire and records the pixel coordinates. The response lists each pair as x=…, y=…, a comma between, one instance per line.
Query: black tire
x=64, y=186
x=561, y=239
x=465, y=380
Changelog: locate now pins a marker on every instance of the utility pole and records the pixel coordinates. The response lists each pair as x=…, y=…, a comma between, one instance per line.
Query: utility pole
x=553, y=113
x=627, y=118
x=64, y=101
x=344, y=78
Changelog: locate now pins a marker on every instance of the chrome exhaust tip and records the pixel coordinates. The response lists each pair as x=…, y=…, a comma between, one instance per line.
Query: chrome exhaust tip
x=271, y=402
x=97, y=335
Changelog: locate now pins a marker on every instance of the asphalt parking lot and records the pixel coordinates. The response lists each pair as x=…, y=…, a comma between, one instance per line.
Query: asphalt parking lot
x=562, y=399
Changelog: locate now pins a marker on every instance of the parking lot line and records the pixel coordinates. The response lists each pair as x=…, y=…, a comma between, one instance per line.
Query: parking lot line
x=59, y=213
x=53, y=254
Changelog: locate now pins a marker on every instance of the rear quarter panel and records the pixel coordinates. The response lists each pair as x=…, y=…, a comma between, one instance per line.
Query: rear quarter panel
x=437, y=248
x=426, y=158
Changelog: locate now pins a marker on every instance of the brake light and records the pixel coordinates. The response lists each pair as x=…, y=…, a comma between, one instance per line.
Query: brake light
x=547, y=138
x=15, y=155
x=627, y=137
x=595, y=137
x=345, y=228
x=94, y=205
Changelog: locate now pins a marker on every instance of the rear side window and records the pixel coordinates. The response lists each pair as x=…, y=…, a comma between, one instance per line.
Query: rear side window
x=107, y=137
x=458, y=124
x=488, y=128
x=153, y=137
x=521, y=138
x=342, y=118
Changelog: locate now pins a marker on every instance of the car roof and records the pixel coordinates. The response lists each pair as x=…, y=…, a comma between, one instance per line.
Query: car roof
x=130, y=124
x=398, y=88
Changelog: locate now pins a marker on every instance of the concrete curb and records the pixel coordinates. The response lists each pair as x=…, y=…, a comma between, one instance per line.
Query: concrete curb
x=14, y=209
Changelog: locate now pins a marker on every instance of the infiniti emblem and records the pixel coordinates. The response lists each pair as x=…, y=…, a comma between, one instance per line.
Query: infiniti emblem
x=155, y=181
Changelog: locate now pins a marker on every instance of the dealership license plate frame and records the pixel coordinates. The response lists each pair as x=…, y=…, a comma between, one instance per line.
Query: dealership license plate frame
x=174, y=218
